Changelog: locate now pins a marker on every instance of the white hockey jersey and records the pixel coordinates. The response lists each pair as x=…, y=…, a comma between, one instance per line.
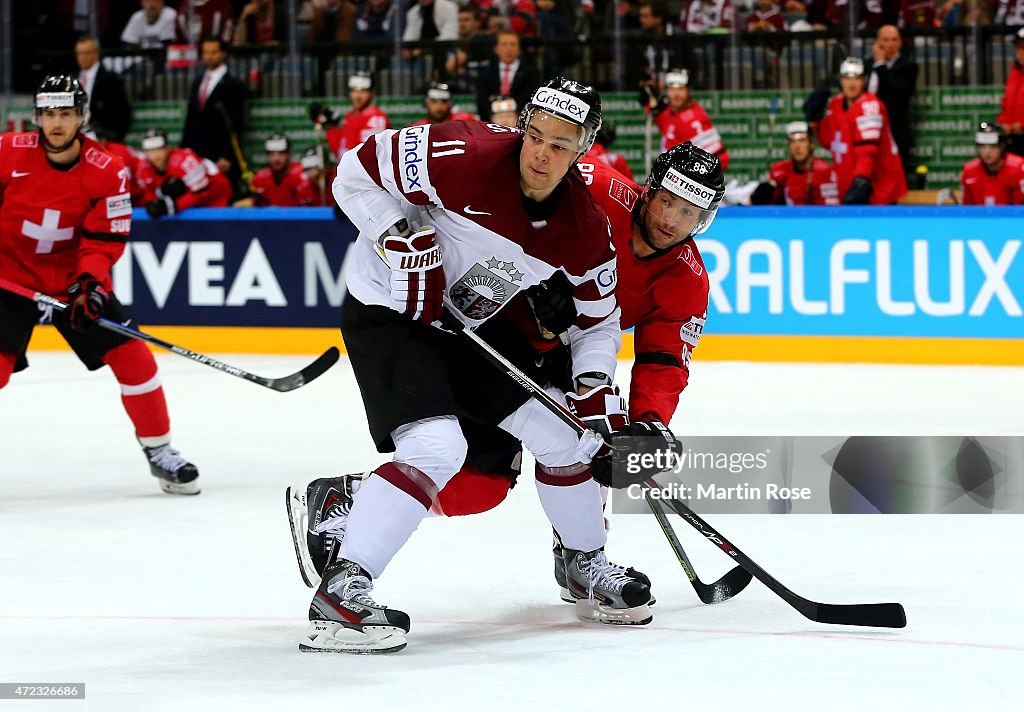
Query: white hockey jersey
x=463, y=178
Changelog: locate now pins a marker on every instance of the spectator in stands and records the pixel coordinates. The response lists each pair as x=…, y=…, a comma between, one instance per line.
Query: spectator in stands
x=1011, y=117
x=1010, y=12
x=766, y=17
x=431, y=20
x=375, y=21
x=313, y=164
x=438, y=101
x=894, y=80
x=363, y=120
x=856, y=129
x=283, y=183
x=601, y=151
x=802, y=179
x=262, y=22
x=472, y=51
x=995, y=177
x=108, y=103
x=959, y=13
x=555, y=21
x=205, y=18
x=216, y=110
x=175, y=179
x=914, y=14
x=701, y=17
x=680, y=118
x=659, y=50
x=827, y=14
x=507, y=74
x=332, y=21
x=504, y=111
x=517, y=15
x=152, y=27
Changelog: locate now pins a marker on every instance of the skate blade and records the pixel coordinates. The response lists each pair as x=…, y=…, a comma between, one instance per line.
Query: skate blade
x=599, y=613
x=333, y=637
x=187, y=488
x=568, y=597
x=298, y=519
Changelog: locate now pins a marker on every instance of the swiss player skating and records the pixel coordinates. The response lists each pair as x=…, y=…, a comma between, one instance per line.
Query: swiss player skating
x=65, y=215
x=479, y=213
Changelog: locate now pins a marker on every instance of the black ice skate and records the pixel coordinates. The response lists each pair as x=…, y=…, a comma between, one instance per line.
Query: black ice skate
x=344, y=619
x=603, y=592
x=318, y=515
x=556, y=550
x=175, y=474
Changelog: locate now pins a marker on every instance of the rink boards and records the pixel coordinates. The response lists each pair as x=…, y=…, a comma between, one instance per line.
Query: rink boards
x=888, y=285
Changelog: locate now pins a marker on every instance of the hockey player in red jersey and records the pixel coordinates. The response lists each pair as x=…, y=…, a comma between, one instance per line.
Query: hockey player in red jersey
x=363, y=120
x=856, y=130
x=602, y=152
x=803, y=179
x=175, y=179
x=995, y=177
x=438, y=101
x=283, y=182
x=500, y=210
x=65, y=215
x=680, y=118
x=504, y=111
x=313, y=164
x=663, y=294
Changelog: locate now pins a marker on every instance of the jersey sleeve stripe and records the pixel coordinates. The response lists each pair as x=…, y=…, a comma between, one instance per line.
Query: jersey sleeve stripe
x=104, y=236
x=599, y=308
x=655, y=358
x=368, y=159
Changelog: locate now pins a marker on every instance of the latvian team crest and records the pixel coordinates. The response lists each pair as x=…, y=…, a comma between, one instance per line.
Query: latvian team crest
x=485, y=288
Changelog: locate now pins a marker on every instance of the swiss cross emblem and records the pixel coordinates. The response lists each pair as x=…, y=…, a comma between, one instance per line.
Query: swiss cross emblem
x=838, y=147
x=47, y=233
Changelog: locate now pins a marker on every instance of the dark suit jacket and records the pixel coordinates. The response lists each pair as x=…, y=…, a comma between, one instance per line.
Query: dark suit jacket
x=524, y=83
x=207, y=131
x=896, y=88
x=109, y=105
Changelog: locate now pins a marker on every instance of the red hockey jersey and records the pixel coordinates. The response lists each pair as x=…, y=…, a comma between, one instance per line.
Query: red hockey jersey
x=861, y=143
x=356, y=128
x=611, y=158
x=207, y=186
x=664, y=300
x=691, y=123
x=799, y=187
x=293, y=190
x=454, y=116
x=979, y=187
x=59, y=222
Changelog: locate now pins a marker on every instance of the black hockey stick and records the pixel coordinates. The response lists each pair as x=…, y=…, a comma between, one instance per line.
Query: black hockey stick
x=283, y=384
x=734, y=581
x=724, y=588
x=880, y=615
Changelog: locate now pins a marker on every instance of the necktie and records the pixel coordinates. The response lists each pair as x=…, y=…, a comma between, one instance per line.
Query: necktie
x=83, y=79
x=506, y=79
x=204, y=91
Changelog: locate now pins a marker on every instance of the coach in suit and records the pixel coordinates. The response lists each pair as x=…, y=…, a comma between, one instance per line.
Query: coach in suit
x=893, y=80
x=507, y=74
x=109, y=108
x=216, y=108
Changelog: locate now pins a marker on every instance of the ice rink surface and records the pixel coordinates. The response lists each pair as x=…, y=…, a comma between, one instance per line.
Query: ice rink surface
x=166, y=603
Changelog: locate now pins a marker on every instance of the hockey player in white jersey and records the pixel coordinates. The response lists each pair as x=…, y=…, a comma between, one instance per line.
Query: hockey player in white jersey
x=470, y=215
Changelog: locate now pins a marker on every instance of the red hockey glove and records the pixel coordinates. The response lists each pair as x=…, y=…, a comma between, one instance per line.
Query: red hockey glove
x=602, y=409
x=417, y=275
x=87, y=299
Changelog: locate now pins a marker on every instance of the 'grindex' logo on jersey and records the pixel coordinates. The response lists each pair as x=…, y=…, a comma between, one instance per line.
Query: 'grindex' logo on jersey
x=420, y=261
x=413, y=146
x=688, y=189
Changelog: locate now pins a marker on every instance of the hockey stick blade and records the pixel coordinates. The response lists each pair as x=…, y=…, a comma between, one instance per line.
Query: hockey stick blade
x=721, y=590
x=874, y=615
x=282, y=385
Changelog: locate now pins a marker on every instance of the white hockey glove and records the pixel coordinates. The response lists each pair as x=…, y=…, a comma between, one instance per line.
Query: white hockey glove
x=417, y=274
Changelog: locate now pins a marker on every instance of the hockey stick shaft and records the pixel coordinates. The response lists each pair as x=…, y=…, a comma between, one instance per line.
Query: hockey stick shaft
x=286, y=383
x=883, y=615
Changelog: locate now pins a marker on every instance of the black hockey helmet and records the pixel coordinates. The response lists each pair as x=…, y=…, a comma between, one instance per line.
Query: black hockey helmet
x=277, y=142
x=570, y=100
x=692, y=174
x=154, y=138
x=61, y=91
x=989, y=134
x=606, y=135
